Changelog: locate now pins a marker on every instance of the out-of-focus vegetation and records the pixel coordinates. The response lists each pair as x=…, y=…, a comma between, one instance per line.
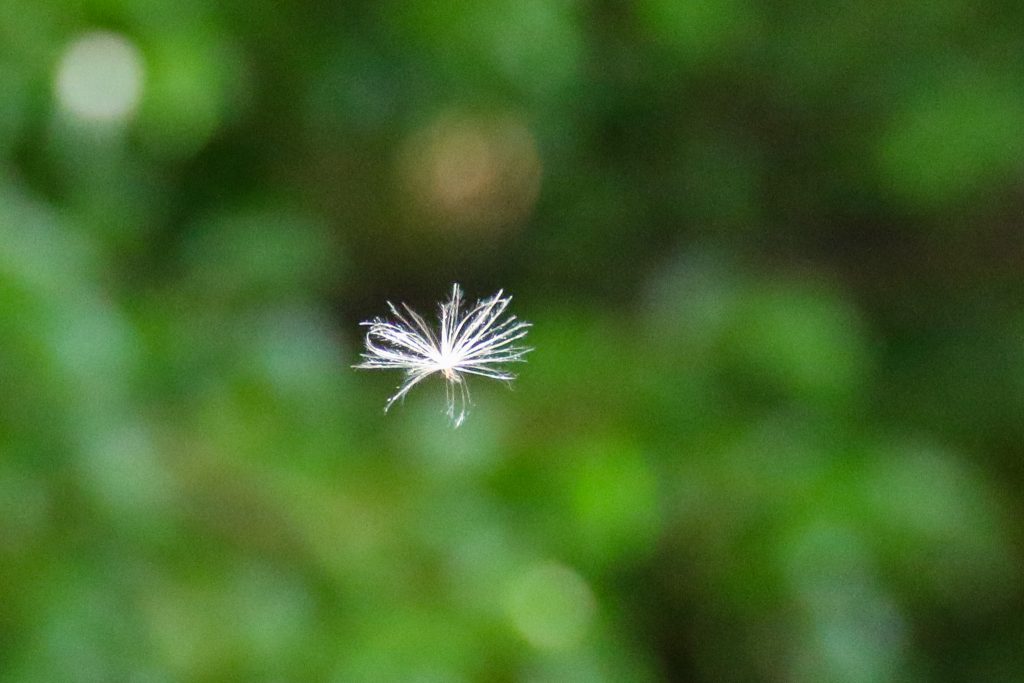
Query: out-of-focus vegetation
x=773, y=426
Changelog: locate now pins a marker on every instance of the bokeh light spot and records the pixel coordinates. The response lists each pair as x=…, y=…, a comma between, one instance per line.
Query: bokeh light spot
x=551, y=606
x=474, y=172
x=100, y=78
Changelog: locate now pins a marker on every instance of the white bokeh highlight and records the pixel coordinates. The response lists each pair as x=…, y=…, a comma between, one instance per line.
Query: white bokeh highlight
x=100, y=78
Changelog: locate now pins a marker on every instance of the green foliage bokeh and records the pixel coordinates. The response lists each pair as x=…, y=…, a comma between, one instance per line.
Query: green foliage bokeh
x=771, y=428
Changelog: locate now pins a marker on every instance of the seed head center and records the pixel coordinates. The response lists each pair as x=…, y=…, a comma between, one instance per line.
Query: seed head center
x=447, y=363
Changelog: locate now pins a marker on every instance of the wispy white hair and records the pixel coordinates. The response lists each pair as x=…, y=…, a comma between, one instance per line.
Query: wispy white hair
x=473, y=342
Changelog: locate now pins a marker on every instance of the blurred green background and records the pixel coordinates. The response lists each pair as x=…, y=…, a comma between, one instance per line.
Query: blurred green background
x=772, y=428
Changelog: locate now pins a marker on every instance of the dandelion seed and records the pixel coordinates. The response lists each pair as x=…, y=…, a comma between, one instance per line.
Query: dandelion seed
x=473, y=342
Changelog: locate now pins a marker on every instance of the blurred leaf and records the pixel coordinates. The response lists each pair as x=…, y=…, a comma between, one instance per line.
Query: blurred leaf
x=259, y=253
x=533, y=46
x=613, y=502
x=194, y=83
x=956, y=140
x=700, y=31
x=801, y=342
